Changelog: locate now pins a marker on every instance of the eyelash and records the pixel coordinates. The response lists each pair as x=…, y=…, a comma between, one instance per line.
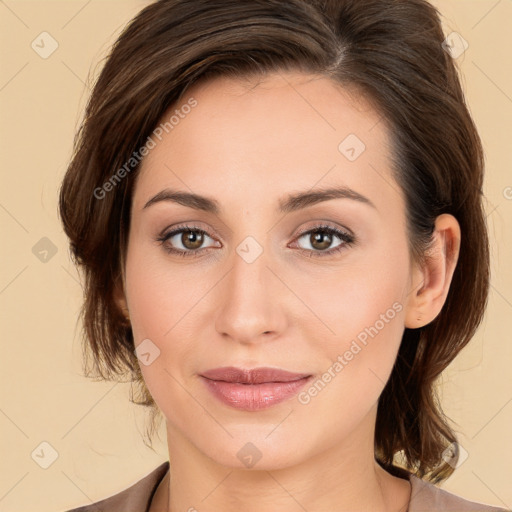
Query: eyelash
x=348, y=239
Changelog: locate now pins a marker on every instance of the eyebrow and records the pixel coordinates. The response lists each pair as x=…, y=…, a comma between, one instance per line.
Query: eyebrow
x=291, y=203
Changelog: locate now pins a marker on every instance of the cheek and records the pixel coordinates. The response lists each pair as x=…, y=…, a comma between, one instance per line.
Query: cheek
x=362, y=322
x=356, y=301
x=161, y=295
x=164, y=306
x=365, y=311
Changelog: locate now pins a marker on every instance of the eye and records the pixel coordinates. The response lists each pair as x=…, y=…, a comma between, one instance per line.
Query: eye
x=191, y=238
x=321, y=238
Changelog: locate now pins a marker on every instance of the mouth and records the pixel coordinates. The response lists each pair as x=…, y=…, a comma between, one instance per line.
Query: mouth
x=253, y=389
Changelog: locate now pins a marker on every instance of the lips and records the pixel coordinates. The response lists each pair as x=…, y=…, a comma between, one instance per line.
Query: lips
x=252, y=376
x=254, y=389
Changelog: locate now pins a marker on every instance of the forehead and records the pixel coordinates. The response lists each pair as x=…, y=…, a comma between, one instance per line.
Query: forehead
x=276, y=133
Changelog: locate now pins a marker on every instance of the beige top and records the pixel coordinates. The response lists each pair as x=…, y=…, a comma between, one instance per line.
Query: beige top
x=425, y=497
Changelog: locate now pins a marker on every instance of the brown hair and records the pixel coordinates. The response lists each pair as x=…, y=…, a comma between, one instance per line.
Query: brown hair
x=388, y=50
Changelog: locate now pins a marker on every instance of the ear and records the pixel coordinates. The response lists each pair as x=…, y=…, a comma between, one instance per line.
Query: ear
x=431, y=283
x=120, y=299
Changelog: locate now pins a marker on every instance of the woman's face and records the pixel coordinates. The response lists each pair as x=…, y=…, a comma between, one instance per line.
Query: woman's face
x=266, y=285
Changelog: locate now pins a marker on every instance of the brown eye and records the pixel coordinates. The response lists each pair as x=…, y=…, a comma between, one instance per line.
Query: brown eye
x=320, y=240
x=185, y=241
x=192, y=239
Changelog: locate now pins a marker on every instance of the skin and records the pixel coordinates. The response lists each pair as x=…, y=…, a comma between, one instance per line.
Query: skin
x=247, y=146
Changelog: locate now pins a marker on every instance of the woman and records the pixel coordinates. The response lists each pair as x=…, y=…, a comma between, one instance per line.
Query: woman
x=277, y=206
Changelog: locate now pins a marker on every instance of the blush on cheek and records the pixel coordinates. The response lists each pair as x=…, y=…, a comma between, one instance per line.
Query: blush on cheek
x=367, y=336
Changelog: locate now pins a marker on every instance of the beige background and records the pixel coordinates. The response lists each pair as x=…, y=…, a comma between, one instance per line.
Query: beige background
x=92, y=426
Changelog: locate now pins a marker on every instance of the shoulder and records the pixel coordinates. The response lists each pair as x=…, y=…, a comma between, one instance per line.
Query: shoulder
x=427, y=497
x=135, y=498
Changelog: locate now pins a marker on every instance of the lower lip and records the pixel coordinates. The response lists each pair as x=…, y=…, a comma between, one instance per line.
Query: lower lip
x=254, y=397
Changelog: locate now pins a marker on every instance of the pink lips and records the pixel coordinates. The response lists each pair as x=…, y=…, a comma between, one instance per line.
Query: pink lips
x=255, y=389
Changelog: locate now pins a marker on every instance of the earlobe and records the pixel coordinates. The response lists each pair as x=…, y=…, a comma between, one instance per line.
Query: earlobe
x=430, y=284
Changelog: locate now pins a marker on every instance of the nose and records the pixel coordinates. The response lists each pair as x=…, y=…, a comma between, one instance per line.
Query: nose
x=252, y=301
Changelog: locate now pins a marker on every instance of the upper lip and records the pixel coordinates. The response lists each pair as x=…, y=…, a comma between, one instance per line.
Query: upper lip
x=252, y=376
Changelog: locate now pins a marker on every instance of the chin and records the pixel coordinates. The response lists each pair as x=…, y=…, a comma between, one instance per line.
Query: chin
x=256, y=450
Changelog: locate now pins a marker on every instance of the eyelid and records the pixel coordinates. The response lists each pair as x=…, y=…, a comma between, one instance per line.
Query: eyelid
x=168, y=233
x=320, y=224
